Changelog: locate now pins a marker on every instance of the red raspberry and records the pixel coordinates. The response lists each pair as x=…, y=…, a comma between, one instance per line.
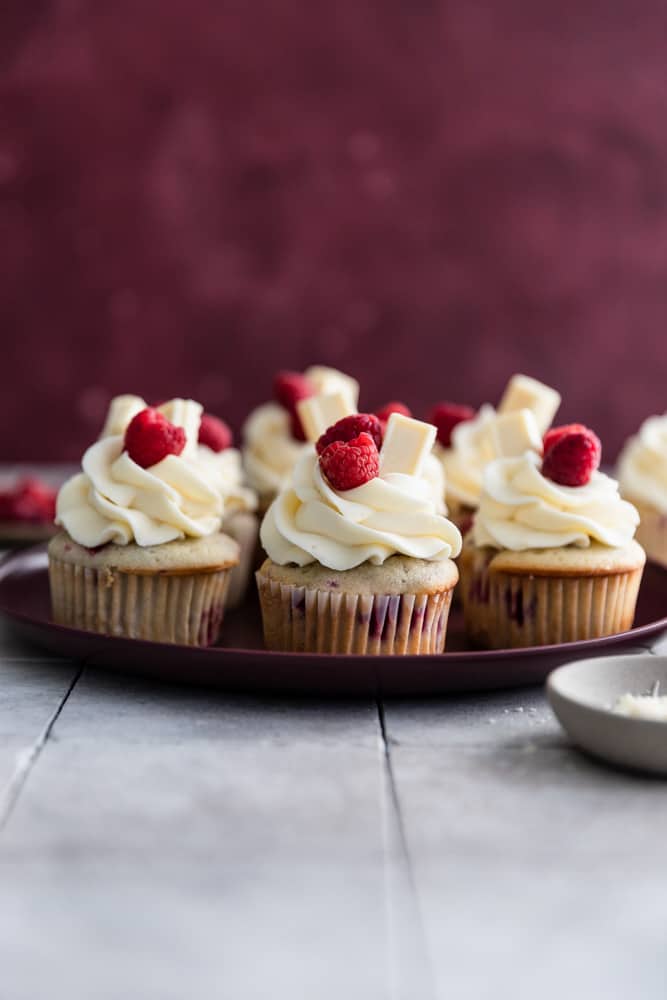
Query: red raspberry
x=28, y=500
x=214, y=433
x=553, y=436
x=446, y=416
x=574, y=457
x=384, y=412
x=347, y=464
x=150, y=437
x=351, y=427
x=288, y=389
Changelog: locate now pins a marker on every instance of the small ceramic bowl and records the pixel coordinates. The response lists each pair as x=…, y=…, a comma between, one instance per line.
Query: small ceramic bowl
x=583, y=694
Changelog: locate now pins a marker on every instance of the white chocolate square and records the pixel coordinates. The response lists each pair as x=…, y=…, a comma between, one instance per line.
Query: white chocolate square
x=122, y=409
x=525, y=393
x=515, y=433
x=329, y=380
x=318, y=413
x=407, y=443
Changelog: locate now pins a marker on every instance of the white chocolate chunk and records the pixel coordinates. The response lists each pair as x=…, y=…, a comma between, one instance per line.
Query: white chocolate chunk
x=329, y=380
x=187, y=414
x=318, y=413
x=121, y=411
x=525, y=393
x=515, y=433
x=407, y=443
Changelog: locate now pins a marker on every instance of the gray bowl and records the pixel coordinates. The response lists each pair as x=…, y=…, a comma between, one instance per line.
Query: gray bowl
x=582, y=695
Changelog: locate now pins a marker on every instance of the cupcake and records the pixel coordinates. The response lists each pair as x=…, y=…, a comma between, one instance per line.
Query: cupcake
x=642, y=473
x=273, y=438
x=223, y=466
x=360, y=561
x=465, y=443
x=141, y=554
x=551, y=556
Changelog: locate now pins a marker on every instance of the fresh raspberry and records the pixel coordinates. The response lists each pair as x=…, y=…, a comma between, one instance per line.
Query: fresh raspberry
x=553, y=436
x=347, y=464
x=446, y=416
x=214, y=433
x=288, y=389
x=351, y=427
x=384, y=412
x=574, y=457
x=150, y=437
x=28, y=500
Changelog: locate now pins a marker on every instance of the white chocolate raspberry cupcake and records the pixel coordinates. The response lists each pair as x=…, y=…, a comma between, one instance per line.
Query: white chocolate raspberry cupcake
x=360, y=561
x=222, y=465
x=466, y=442
x=551, y=556
x=273, y=438
x=642, y=474
x=142, y=554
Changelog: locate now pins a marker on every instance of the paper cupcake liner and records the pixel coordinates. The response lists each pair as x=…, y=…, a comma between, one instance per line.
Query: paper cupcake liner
x=508, y=610
x=243, y=527
x=182, y=608
x=303, y=619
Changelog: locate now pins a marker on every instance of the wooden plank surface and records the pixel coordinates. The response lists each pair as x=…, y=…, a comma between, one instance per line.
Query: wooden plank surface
x=538, y=872
x=172, y=843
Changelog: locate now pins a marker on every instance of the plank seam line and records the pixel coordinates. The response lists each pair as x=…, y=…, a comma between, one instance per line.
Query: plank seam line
x=27, y=758
x=403, y=842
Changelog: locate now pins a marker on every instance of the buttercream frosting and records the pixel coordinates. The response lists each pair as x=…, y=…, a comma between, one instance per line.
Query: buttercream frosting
x=115, y=500
x=522, y=509
x=642, y=467
x=395, y=514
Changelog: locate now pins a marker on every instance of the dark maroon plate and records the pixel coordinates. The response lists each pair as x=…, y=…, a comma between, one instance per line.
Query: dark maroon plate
x=240, y=663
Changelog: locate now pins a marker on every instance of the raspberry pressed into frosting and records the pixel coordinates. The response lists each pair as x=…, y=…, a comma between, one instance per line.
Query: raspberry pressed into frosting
x=390, y=515
x=115, y=500
x=522, y=509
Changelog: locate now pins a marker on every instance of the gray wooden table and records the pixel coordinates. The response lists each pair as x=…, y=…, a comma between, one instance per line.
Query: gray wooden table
x=161, y=842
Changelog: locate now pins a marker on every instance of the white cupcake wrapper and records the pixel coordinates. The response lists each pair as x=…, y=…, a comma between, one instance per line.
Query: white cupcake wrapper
x=509, y=610
x=318, y=621
x=181, y=608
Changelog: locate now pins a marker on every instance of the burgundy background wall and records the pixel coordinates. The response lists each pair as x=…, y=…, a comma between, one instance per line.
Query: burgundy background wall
x=428, y=193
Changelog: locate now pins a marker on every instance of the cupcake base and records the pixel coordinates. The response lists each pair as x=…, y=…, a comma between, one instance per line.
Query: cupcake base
x=164, y=593
x=399, y=608
x=243, y=527
x=541, y=598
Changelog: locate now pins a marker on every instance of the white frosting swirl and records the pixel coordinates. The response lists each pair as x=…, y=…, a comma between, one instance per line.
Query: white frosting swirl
x=522, y=509
x=116, y=500
x=269, y=450
x=389, y=515
x=226, y=470
x=642, y=467
x=470, y=452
